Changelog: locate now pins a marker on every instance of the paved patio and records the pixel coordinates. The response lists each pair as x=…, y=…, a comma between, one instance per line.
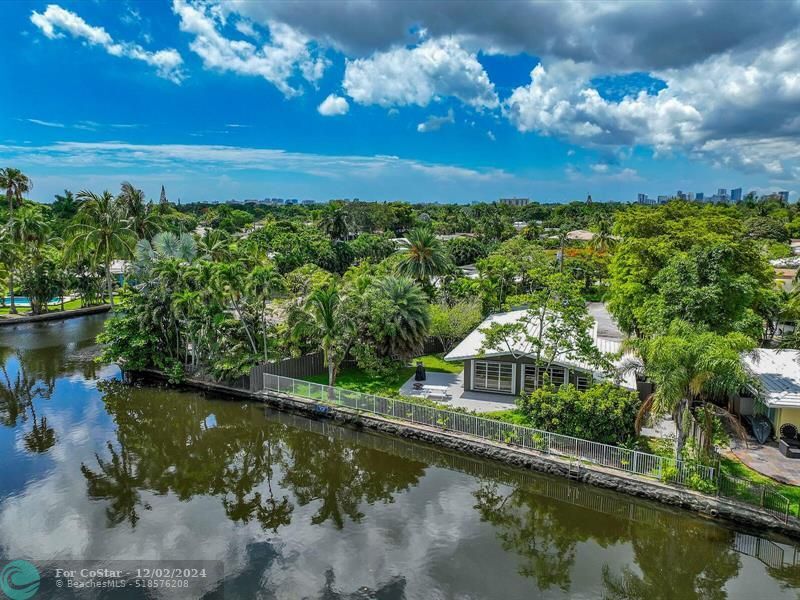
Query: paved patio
x=477, y=401
x=767, y=460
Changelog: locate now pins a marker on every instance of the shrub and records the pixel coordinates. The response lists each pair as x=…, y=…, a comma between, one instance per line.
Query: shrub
x=603, y=413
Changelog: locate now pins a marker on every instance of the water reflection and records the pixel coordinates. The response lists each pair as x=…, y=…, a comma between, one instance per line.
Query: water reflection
x=300, y=508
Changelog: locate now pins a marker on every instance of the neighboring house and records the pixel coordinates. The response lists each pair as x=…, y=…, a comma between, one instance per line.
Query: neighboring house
x=777, y=394
x=119, y=269
x=580, y=235
x=785, y=278
x=514, y=371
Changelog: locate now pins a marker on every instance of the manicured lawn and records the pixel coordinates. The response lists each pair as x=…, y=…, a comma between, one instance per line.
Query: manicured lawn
x=352, y=378
x=736, y=468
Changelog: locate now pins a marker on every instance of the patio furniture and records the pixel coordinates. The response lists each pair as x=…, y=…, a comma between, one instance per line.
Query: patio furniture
x=420, y=375
x=789, y=445
x=437, y=391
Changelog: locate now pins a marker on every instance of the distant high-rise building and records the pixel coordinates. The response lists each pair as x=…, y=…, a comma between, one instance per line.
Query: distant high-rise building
x=663, y=199
x=736, y=195
x=514, y=201
x=699, y=196
x=641, y=198
x=680, y=195
x=589, y=199
x=690, y=196
x=784, y=196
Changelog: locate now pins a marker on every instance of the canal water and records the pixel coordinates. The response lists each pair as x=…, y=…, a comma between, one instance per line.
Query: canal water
x=92, y=468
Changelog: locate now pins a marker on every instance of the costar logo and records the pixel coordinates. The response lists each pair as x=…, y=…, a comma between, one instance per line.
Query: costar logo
x=19, y=580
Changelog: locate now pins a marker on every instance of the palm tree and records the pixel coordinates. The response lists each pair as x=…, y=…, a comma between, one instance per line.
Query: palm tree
x=335, y=223
x=142, y=219
x=406, y=324
x=25, y=232
x=688, y=364
x=102, y=232
x=603, y=241
x=426, y=256
x=328, y=325
x=228, y=280
x=262, y=284
x=16, y=183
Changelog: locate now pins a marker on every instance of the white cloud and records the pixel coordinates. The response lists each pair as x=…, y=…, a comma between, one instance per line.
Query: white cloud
x=739, y=111
x=333, y=106
x=55, y=20
x=491, y=136
x=165, y=157
x=287, y=55
x=45, y=123
x=417, y=76
x=434, y=123
x=600, y=168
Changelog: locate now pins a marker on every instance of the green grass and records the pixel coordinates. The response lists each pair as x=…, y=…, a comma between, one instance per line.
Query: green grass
x=24, y=310
x=736, y=468
x=514, y=416
x=352, y=378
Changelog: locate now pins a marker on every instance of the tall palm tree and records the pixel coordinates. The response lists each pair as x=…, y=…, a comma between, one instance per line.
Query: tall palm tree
x=335, y=223
x=229, y=280
x=327, y=324
x=688, y=364
x=142, y=219
x=101, y=232
x=406, y=324
x=603, y=240
x=26, y=232
x=426, y=256
x=16, y=183
x=262, y=285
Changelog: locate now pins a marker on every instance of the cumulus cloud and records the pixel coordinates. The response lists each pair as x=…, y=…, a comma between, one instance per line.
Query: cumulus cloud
x=614, y=34
x=333, y=106
x=54, y=21
x=432, y=70
x=434, y=123
x=739, y=110
x=287, y=55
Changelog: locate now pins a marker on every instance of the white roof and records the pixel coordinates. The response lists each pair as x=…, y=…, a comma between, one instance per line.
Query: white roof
x=470, y=347
x=779, y=374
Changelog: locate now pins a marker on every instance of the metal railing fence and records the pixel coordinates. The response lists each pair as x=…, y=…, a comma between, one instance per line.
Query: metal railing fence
x=666, y=469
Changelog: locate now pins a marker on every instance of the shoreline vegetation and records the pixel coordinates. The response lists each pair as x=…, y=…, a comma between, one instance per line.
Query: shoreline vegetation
x=215, y=289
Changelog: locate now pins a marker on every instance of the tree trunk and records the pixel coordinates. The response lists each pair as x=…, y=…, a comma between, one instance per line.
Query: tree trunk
x=680, y=414
x=13, y=309
x=109, y=289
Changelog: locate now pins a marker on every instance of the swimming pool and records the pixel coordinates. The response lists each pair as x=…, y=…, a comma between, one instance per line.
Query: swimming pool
x=25, y=301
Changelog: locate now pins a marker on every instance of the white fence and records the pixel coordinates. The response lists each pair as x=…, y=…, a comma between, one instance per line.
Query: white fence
x=613, y=457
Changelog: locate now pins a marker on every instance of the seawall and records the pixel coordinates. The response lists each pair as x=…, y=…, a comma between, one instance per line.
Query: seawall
x=705, y=505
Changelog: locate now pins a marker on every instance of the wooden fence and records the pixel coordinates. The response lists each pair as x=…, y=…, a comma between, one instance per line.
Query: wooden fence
x=302, y=366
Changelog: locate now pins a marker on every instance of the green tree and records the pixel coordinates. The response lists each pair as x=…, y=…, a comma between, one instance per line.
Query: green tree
x=101, y=232
x=329, y=326
x=263, y=284
x=451, y=324
x=142, y=219
x=425, y=257
x=16, y=184
x=689, y=364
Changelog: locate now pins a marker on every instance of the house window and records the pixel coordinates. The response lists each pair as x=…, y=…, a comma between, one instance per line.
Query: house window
x=583, y=381
x=556, y=375
x=493, y=376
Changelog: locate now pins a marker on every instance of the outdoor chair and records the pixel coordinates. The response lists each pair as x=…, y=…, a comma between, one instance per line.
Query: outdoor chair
x=789, y=445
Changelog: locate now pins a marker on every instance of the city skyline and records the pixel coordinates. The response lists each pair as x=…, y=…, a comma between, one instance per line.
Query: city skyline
x=401, y=101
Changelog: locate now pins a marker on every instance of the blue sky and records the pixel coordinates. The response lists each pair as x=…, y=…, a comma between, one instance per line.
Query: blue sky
x=382, y=101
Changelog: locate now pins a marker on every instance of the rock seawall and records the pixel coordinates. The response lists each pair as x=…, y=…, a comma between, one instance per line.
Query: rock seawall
x=708, y=506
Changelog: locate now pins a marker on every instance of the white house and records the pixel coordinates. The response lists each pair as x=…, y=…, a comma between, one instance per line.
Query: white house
x=778, y=390
x=513, y=370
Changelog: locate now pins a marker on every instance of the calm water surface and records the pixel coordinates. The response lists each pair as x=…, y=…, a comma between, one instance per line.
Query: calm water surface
x=92, y=468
